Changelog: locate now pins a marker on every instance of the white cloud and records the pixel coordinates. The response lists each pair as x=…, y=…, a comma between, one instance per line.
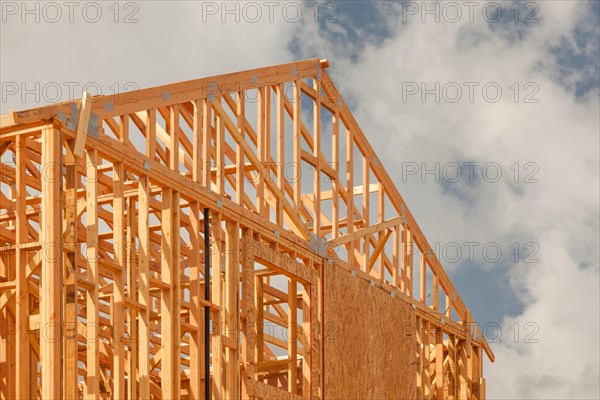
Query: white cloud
x=169, y=43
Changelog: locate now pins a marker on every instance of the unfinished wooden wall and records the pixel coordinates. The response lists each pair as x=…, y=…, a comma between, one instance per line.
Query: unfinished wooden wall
x=369, y=343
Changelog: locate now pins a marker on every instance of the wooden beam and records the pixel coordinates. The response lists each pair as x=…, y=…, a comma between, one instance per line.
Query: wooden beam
x=231, y=307
x=261, y=149
x=220, y=154
x=22, y=287
x=260, y=334
x=297, y=148
x=407, y=258
x=176, y=270
x=144, y=286
x=4, y=146
x=92, y=314
x=366, y=207
x=317, y=155
x=150, y=133
x=306, y=332
x=196, y=309
x=173, y=147
x=217, y=316
x=439, y=364
x=377, y=251
x=335, y=159
x=167, y=342
x=350, y=201
x=197, y=141
x=396, y=246
x=380, y=218
x=85, y=109
x=118, y=300
x=239, y=157
x=463, y=386
x=426, y=360
x=51, y=228
x=452, y=383
x=206, y=142
x=292, y=329
x=133, y=277
x=419, y=356
x=423, y=280
x=436, y=292
x=248, y=368
x=281, y=179
x=70, y=271
x=8, y=119
x=361, y=233
x=7, y=342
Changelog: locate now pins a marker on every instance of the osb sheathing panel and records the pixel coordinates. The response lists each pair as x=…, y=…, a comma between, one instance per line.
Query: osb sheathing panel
x=370, y=344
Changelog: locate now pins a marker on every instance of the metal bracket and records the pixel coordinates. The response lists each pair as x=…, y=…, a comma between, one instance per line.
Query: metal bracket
x=318, y=245
x=93, y=126
x=74, y=116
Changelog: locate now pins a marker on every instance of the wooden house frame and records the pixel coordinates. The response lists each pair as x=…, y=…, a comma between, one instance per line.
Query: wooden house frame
x=103, y=254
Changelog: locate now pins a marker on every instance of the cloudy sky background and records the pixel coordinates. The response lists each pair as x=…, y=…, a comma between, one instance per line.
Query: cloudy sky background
x=545, y=142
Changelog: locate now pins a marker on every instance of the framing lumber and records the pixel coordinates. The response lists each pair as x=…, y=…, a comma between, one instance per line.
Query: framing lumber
x=50, y=309
x=22, y=286
x=82, y=124
x=100, y=231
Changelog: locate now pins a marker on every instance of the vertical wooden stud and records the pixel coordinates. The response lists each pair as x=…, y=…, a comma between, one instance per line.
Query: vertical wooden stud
x=70, y=273
x=167, y=342
x=196, y=309
x=239, y=153
x=439, y=363
x=292, y=336
x=335, y=159
x=297, y=124
x=317, y=155
x=281, y=179
x=51, y=229
x=144, y=286
x=22, y=286
x=232, y=315
x=118, y=319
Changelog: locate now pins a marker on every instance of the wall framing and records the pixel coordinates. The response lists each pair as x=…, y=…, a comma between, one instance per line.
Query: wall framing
x=101, y=244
